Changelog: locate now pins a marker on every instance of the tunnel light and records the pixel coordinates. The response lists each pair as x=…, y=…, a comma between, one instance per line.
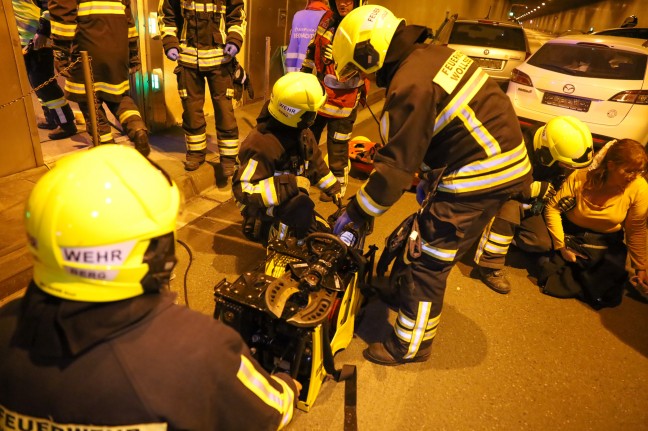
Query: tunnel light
x=153, y=25
x=156, y=79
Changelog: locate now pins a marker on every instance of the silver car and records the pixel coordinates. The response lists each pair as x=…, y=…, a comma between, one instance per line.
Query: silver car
x=497, y=47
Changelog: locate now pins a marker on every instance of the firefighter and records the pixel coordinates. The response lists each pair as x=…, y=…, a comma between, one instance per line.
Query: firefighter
x=280, y=159
x=304, y=25
x=204, y=38
x=33, y=24
x=444, y=115
x=106, y=30
x=340, y=110
x=556, y=149
x=97, y=341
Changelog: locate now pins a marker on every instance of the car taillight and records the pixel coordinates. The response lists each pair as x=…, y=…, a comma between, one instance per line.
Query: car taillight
x=638, y=97
x=521, y=78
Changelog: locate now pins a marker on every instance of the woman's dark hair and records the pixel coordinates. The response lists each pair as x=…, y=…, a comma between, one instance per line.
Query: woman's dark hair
x=626, y=153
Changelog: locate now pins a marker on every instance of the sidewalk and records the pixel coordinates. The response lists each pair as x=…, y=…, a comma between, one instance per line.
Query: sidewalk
x=167, y=150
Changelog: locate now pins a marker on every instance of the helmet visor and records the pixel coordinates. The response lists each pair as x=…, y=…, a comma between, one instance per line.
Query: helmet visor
x=347, y=72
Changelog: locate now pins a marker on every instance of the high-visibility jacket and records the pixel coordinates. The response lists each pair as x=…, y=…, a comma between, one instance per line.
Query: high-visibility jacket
x=104, y=29
x=199, y=29
x=271, y=158
x=143, y=363
x=443, y=114
x=304, y=25
x=340, y=101
x=31, y=17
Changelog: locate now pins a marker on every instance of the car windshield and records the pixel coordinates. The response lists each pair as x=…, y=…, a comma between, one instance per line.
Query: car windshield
x=493, y=36
x=637, y=33
x=590, y=61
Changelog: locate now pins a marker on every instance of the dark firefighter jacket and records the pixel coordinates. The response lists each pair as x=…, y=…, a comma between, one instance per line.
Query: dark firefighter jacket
x=272, y=156
x=104, y=29
x=140, y=364
x=441, y=113
x=199, y=29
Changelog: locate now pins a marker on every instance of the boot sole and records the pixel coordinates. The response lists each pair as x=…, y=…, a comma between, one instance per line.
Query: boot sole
x=393, y=363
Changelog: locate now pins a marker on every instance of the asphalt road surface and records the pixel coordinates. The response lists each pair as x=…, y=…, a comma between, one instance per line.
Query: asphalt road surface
x=523, y=361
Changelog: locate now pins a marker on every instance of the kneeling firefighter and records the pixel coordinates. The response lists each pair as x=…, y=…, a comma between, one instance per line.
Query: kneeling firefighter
x=97, y=341
x=280, y=160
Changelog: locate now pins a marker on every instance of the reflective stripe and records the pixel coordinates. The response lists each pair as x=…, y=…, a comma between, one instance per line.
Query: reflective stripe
x=63, y=30
x=414, y=332
x=335, y=111
x=500, y=239
x=196, y=142
x=127, y=114
x=495, y=248
x=168, y=31
x=182, y=93
x=384, y=127
x=489, y=173
x=461, y=99
x=101, y=8
x=105, y=138
x=112, y=88
x=268, y=192
x=341, y=136
x=257, y=384
x=368, y=205
x=437, y=253
x=479, y=133
x=132, y=32
x=228, y=147
x=246, y=176
x=327, y=181
x=56, y=103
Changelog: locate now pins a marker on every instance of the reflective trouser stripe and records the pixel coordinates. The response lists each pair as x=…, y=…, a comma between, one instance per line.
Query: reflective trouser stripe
x=196, y=142
x=228, y=147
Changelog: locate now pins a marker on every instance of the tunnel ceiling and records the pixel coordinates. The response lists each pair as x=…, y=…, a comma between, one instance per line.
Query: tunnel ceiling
x=521, y=7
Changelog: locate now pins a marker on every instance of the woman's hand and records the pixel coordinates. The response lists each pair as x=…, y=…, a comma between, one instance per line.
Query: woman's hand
x=640, y=282
x=570, y=255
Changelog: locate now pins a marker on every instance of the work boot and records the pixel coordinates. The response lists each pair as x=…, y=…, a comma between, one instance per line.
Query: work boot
x=141, y=142
x=378, y=354
x=50, y=120
x=194, y=160
x=228, y=165
x=63, y=131
x=495, y=279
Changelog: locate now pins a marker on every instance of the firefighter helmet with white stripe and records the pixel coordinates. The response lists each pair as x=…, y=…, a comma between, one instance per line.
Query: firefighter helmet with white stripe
x=101, y=226
x=296, y=97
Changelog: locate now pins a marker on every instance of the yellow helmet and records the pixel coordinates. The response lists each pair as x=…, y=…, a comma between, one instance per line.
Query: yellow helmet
x=564, y=139
x=296, y=97
x=101, y=226
x=361, y=41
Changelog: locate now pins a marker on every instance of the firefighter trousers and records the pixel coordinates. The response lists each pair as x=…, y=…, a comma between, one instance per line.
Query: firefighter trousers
x=191, y=88
x=511, y=225
x=338, y=134
x=448, y=227
x=40, y=68
x=125, y=111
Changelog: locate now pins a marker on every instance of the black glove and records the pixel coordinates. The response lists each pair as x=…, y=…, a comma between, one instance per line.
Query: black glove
x=241, y=81
x=134, y=62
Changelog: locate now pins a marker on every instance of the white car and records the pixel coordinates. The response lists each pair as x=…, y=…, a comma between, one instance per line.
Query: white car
x=497, y=47
x=601, y=80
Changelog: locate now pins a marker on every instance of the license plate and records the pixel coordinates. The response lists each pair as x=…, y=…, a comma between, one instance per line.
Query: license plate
x=489, y=63
x=573, y=103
